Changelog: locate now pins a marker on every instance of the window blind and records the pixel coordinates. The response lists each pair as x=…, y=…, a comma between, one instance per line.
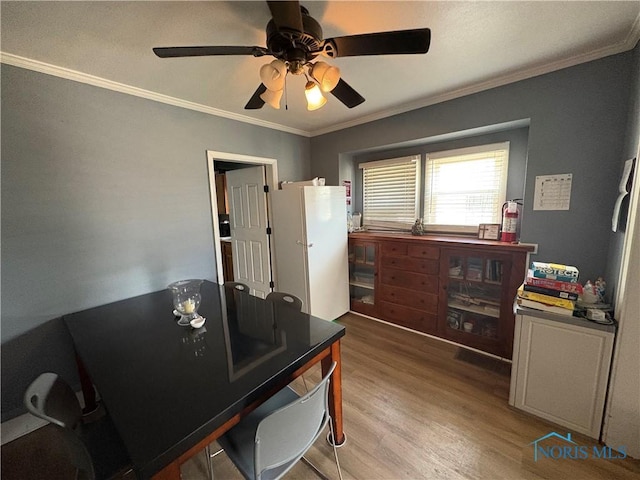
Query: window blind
x=390, y=191
x=466, y=187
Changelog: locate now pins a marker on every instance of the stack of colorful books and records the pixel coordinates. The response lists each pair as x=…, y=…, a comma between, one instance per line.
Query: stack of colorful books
x=550, y=287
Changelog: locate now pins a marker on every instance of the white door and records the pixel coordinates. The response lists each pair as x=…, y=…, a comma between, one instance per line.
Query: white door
x=248, y=219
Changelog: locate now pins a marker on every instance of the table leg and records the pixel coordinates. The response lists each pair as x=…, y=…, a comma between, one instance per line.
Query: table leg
x=170, y=472
x=335, y=392
x=88, y=392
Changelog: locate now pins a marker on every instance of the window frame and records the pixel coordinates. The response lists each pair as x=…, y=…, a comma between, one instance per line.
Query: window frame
x=458, y=152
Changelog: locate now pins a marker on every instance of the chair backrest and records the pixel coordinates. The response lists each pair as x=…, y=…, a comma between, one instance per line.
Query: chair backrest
x=285, y=299
x=285, y=435
x=51, y=398
x=238, y=286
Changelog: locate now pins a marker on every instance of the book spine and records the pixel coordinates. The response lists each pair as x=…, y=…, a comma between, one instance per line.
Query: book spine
x=547, y=300
x=523, y=302
x=554, y=276
x=554, y=284
x=551, y=292
x=555, y=271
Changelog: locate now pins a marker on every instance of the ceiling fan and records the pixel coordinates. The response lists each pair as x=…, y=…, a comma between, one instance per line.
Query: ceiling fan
x=295, y=39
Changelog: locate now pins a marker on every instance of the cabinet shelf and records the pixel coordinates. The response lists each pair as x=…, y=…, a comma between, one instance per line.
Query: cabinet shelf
x=359, y=262
x=474, y=309
x=370, y=286
x=363, y=276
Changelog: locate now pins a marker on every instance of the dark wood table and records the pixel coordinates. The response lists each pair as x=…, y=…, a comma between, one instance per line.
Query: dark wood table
x=172, y=390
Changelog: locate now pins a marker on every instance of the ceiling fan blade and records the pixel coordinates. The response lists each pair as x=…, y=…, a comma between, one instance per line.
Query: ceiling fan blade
x=167, y=52
x=255, y=102
x=381, y=43
x=347, y=95
x=286, y=15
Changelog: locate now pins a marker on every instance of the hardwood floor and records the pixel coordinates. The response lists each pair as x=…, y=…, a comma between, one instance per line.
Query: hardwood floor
x=419, y=408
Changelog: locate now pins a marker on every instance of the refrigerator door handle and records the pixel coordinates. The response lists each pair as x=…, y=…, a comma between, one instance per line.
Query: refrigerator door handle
x=304, y=244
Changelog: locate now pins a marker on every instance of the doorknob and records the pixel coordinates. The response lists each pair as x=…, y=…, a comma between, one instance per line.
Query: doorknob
x=308, y=245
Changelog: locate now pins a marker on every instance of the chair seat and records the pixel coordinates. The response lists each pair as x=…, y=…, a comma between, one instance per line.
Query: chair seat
x=105, y=448
x=95, y=448
x=238, y=443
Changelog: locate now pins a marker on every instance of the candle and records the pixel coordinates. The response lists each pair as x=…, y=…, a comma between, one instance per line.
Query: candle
x=189, y=306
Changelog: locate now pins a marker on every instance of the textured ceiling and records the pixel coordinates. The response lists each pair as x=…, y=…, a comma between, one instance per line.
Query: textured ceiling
x=474, y=46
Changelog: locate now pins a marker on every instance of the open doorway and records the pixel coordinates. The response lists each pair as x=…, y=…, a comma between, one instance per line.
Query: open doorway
x=244, y=251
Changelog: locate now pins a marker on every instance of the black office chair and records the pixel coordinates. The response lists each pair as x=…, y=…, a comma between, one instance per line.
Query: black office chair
x=285, y=299
x=95, y=448
x=269, y=441
x=292, y=301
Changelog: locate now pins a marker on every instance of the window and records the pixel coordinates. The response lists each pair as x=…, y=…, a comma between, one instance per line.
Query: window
x=465, y=187
x=390, y=191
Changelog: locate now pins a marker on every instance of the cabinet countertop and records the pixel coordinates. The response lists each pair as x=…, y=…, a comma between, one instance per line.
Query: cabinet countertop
x=445, y=240
x=570, y=320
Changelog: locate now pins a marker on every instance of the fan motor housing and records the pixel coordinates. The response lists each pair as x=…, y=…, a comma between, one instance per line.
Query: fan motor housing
x=286, y=42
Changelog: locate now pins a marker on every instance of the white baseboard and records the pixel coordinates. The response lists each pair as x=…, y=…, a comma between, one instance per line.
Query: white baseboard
x=26, y=423
x=19, y=426
x=440, y=339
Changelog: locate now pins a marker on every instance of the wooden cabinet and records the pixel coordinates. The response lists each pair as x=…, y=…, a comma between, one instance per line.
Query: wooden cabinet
x=363, y=273
x=409, y=284
x=477, y=309
x=437, y=284
x=227, y=261
x=221, y=193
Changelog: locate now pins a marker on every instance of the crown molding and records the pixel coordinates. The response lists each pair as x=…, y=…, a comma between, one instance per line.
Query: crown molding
x=627, y=44
x=74, y=75
x=630, y=42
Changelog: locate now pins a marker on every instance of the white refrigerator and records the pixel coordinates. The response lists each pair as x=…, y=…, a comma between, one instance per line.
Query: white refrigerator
x=309, y=235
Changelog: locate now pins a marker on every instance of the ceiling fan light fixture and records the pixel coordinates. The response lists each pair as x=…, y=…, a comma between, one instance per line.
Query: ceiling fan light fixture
x=272, y=98
x=273, y=75
x=315, y=99
x=326, y=75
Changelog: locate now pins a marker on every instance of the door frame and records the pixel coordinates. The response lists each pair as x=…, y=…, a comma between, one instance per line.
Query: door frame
x=271, y=171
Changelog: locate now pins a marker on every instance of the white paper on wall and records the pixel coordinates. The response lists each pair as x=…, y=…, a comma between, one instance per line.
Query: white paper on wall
x=553, y=192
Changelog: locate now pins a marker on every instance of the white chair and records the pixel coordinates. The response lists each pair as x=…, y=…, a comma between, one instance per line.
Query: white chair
x=95, y=448
x=268, y=442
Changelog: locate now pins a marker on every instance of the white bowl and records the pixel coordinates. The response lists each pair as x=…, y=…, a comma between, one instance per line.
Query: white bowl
x=198, y=322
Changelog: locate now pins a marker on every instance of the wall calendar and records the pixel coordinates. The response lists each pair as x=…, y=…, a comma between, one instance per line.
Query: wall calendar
x=553, y=192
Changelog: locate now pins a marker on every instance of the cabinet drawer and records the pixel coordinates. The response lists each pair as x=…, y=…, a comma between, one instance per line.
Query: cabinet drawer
x=408, y=317
x=427, y=302
x=412, y=264
x=424, y=251
x=394, y=248
x=414, y=281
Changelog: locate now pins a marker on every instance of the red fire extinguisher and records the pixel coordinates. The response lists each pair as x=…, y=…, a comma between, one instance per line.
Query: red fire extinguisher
x=509, y=221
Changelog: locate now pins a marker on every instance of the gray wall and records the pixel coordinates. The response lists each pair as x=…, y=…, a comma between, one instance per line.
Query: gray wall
x=630, y=150
x=577, y=121
x=104, y=196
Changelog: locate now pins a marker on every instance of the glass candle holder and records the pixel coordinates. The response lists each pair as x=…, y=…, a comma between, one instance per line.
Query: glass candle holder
x=186, y=299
